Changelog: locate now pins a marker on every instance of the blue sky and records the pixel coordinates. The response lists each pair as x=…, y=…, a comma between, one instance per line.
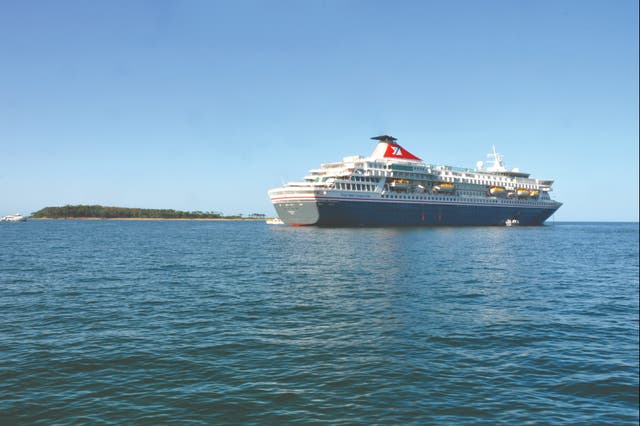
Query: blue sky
x=205, y=105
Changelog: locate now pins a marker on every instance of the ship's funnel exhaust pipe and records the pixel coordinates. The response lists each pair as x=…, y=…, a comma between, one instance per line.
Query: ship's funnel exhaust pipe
x=385, y=138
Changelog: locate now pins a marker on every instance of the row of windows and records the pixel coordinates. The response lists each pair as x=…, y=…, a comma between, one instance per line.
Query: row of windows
x=362, y=179
x=354, y=187
x=432, y=198
x=482, y=182
x=498, y=181
x=365, y=187
x=419, y=197
x=408, y=175
x=371, y=188
x=471, y=193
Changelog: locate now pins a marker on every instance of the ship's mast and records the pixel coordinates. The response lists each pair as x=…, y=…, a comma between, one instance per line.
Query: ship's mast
x=497, y=165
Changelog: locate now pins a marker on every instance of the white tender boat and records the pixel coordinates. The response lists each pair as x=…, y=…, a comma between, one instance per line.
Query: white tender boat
x=275, y=221
x=13, y=218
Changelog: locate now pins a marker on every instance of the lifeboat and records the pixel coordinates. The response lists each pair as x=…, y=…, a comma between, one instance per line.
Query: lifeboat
x=497, y=191
x=534, y=193
x=522, y=193
x=400, y=183
x=446, y=187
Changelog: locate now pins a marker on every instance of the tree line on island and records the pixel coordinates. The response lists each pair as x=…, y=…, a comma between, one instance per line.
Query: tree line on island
x=104, y=212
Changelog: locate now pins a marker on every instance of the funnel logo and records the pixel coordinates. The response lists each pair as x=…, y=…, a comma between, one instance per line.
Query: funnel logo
x=396, y=151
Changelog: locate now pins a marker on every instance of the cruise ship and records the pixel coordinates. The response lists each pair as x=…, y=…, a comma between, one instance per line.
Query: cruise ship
x=393, y=187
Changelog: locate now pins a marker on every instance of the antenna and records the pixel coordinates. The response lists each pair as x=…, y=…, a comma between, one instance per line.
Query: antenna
x=497, y=165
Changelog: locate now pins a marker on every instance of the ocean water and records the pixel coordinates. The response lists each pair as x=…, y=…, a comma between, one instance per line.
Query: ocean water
x=163, y=322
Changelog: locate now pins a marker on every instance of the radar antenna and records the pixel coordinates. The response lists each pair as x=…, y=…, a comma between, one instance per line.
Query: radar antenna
x=497, y=165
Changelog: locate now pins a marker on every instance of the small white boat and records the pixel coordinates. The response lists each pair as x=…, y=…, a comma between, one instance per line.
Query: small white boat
x=13, y=218
x=275, y=221
x=511, y=222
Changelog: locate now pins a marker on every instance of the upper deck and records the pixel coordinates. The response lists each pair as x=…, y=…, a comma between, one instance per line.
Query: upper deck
x=392, y=168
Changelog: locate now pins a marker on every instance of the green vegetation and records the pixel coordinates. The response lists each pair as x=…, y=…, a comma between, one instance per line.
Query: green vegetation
x=103, y=212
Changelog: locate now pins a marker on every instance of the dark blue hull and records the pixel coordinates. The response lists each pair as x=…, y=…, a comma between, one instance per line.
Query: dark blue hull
x=355, y=213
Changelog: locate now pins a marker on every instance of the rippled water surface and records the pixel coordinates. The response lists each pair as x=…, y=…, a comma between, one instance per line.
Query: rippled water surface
x=156, y=322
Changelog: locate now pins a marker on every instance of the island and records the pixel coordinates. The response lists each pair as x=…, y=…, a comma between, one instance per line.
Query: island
x=107, y=212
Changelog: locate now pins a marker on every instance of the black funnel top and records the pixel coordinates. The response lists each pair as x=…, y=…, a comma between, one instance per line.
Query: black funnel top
x=385, y=138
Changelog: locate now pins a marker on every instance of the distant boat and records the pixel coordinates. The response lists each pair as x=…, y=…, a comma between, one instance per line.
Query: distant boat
x=275, y=221
x=13, y=218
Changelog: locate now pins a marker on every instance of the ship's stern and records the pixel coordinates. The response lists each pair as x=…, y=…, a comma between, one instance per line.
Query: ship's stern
x=295, y=210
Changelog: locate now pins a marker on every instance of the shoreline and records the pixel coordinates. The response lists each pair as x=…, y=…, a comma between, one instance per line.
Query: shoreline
x=145, y=218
